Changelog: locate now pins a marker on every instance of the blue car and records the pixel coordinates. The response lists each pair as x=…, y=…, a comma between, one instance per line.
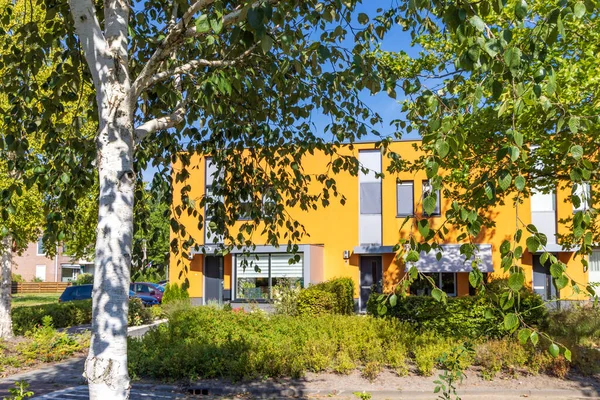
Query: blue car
x=84, y=292
x=148, y=301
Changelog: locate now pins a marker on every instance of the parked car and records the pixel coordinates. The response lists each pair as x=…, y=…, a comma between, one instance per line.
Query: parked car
x=148, y=301
x=84, y=292
x=79, y=292
x=148, y=289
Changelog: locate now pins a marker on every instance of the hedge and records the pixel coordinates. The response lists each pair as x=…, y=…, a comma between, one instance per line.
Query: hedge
x=469, y=316
x=70, y=313
x=335, y=296
x=63, y=315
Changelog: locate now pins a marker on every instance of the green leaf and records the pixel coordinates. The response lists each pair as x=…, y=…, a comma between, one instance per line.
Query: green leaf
x=535, y=338
x=202, y=24
x=520, y=183
x=429, y=204
x=437, y=294
x=556, y=270
x=521, y=9
x=511, y=321
x=512, y=57
x=579, y=9
x=574, y=124
x=561, y=282
x=533, y=244
x=576, y=151
x=516, y=281
x=568, y=355
x=524, y=335
x=363, y=18
x=504, y=180
x=518, y=137
x=393, y=300
x=514, y=153
x=65, y=178
x=477, y=23
x=255, y=18
x=216, y=24
x=424, y=227
x=412, y=256
x=266, y=43
x=442, y=148
x=554, y=350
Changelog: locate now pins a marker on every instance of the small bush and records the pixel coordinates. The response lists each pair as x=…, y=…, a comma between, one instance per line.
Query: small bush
x=157, y=312
x=580, y=324
x=37, y=280
x=313, y=301
x=17, y=278
x=343, y=290
x=83, y=279
x=63, y=315
x=500, y=355
x=371, y=371
x=461, y=317
x=49, y=345
x=175, y=293
x=138, y=313
x=285, y=296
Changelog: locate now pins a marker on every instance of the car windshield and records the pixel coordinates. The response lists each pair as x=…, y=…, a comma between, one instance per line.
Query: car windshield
x=158, y=287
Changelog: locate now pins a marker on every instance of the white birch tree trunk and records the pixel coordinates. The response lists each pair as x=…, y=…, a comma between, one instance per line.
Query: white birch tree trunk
x=106, y=56
x=5, y=287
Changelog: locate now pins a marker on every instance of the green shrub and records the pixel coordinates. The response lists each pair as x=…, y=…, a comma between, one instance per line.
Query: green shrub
x=580, y=324
x=83, y=279
x=63, y=315
x=175, y=293
x=461, y=317
x=501, y=355
x=312, y=301
x=138, y=313
x=207, y=343
x=343, y=290
x=285, y=296
x=70, y=313
x=17, y=278
x=49, y=345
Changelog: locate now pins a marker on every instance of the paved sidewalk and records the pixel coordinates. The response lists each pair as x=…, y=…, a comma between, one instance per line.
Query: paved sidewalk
x=158, y=392
x=61, y=375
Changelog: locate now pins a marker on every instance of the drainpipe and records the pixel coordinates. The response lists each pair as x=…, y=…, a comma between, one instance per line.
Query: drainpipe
x=56, y=265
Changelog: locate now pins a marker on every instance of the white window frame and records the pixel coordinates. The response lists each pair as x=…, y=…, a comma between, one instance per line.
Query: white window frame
x=37, y=248
x=438, y=211
x=45, y=272
x=412, y=198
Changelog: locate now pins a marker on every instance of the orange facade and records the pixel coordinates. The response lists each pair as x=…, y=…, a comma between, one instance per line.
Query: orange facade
x=356, y=239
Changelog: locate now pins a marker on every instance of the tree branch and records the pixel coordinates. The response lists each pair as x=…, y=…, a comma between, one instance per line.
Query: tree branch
x=91, y=38
x=190, y=66
x=157, y=124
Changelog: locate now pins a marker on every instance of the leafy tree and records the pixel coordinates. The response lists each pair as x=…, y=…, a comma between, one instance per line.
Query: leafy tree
x=505, y=97
x=25, y=209
x=233, y=78
x=151, y=237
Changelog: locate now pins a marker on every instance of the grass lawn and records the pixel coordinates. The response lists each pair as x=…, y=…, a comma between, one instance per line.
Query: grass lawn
x=33, y=299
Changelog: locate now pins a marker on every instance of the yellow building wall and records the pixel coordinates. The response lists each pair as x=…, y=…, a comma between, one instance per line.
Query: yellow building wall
x=336, y=226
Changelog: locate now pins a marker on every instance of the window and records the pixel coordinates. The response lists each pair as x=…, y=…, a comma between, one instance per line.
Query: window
x=41, y=251
x=542, y=201
x=262, y=272
x=446, y=281
x=370, y=198
x=405, y=198
x=581, y=196
x=428, y=189
x=594, y=262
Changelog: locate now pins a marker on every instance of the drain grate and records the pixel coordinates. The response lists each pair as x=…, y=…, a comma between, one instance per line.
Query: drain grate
x=198, y=391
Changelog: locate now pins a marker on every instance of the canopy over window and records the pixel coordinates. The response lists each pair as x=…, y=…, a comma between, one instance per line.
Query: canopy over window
x=453, y=261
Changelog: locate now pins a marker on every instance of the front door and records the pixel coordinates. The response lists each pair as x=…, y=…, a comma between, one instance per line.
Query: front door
x=542, y=280
x=371, y=273
x=213, y=279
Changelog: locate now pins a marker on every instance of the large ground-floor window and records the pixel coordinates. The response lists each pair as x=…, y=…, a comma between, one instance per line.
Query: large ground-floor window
x=256, y=274
x=443, y=280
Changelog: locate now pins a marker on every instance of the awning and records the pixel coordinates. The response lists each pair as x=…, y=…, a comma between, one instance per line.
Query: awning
x=72, y=266
x=556, y=248
x=373, y=249
x=453, y=261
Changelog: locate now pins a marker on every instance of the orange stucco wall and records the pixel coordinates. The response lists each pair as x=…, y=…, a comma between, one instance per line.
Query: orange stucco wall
x=336, y=227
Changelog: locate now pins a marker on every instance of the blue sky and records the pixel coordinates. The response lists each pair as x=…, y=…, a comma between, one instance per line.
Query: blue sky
x=388, y=108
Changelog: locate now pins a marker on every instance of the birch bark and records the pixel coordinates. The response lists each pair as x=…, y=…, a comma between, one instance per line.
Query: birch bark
x=106, y=56
x=5, y=282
